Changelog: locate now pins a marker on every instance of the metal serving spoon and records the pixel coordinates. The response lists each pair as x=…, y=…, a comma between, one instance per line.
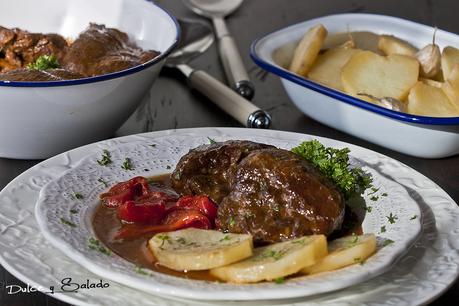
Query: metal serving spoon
x=197, y=37
x=232, y=63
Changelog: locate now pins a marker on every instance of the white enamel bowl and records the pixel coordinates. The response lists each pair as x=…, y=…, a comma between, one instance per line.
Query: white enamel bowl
x=40, y=119
x=419, y=136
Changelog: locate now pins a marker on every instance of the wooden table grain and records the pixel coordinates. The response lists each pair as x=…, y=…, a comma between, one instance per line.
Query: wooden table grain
x=170, y=104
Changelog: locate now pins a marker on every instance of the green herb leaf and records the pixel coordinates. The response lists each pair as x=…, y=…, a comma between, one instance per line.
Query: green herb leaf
x=387, y=242
x=368, y=208
x=231, y=221
x=279, y=280
x=383, y=229
x=141, y=271
x=414, y=217
x=153, y=145
x=391, y=218
x=103, y=182
x=106, y=158
x=44, y=62
x=374, y=198
x=127, y=164
x=226, y=237
x=66, y=222
x=77, y=195
x=74, y=211
x=334, y=164
x=211, y=141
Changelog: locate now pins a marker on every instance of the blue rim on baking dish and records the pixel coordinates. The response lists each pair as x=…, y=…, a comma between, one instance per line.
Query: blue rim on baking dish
x=343, y=97
x=108, y=76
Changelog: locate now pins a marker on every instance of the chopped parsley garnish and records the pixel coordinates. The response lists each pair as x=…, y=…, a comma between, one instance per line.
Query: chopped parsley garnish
x=384, y=194
x=391, y=218
x=226, y=237
x=74, y=211
x=334, y=164
x=279, y=280
x=211, y=141
x=163, y=238
x=153, y=145
x=77, y=195
x=383, y=229
x=368, y=208
x=359, y=260
x=44, y=62
x=374, y=198
x=355, y=239
x=387, y=242
x=168, y=167
x=274, y=254
x=127, y=164
x=106, y=158
x=141, y=271
x=67, y=222
x=373, y=190
x=94, y=244
x=103, y=182
x=414, y=217
x=231, y=221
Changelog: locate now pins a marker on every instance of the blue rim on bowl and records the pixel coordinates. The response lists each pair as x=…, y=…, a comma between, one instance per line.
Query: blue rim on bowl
x=285, y=74
x=107, y=76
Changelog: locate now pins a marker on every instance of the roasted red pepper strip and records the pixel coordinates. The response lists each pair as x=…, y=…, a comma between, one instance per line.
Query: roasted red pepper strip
x=152, y=211
x=176, y=220
x=125, y=191
x=200, y=203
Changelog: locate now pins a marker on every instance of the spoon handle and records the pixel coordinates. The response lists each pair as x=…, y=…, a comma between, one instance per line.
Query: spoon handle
x=239, y=108
x=232, y=63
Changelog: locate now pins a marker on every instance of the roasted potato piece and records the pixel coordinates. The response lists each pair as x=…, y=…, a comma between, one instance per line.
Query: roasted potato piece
x=307, y=50
x=451, y=87
x=275, y=260
x=392, y=45
x=449, y=58
x=431, y=82
x=380, y=76
x=197, y=249
x=327, y=68
x=344, y=252
x=425, y=100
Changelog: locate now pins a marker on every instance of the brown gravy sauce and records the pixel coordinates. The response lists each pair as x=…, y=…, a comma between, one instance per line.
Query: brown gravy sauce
x=106, y=224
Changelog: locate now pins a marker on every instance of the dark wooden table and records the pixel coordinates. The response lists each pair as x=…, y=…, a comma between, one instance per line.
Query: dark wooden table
x=171, y=104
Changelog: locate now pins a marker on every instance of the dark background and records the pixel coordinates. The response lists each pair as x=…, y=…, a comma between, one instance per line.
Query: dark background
x=170, y=104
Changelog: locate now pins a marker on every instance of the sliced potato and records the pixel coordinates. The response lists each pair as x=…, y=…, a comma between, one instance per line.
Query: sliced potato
x=197, y=249
x=425, y=100
x=392, y=45
x=307, y=50
x=451, y=87
x=449, y=58
x=344, y=252
x=431, y=82
x=327, y=68
x=380, y=76
x=276, y=260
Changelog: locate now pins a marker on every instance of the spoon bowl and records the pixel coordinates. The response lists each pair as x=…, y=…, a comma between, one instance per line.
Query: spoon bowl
x=213, y=8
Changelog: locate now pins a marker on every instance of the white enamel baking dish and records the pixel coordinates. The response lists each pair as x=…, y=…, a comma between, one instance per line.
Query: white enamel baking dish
x=420, y=136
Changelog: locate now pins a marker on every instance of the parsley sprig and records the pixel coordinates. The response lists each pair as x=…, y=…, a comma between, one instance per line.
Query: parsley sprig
x=44, y=62
x=334, y=164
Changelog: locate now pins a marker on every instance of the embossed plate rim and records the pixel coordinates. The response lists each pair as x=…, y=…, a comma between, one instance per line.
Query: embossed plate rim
x=56, y=201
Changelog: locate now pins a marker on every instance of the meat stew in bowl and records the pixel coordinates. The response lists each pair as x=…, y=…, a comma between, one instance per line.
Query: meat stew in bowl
x=35, y=57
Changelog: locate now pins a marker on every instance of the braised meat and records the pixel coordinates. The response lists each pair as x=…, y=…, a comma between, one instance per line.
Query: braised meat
x=20, y=48
x=277, y=196
x=100, y=50
x=209, y=169
x=270, y=193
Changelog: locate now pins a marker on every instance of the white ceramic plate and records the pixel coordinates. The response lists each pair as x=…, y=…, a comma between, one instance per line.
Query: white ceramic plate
x=419, y=136
x=57, y=202
x=427, y=270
